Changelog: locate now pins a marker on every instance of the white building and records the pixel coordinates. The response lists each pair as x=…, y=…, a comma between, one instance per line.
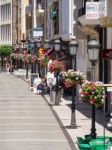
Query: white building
x=6, y=22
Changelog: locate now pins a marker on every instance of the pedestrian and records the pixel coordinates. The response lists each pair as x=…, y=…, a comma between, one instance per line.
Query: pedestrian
x=8, y=67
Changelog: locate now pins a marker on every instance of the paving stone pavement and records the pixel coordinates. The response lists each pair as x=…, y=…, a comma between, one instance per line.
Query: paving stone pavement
x=26, y=120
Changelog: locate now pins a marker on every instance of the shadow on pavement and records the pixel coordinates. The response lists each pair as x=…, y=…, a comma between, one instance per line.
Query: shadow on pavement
x=85, y=109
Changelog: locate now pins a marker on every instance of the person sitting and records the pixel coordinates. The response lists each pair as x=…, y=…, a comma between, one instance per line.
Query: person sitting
x=42, y=87
x=36, y=82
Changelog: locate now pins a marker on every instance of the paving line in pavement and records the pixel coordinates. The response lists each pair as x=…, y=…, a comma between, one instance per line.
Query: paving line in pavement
x=28, y=124
x=33, y=140
x=26, y=117
x=21, y=98
x=20, y=102
x=9, y=131
x=23, y=111
x=24, y=106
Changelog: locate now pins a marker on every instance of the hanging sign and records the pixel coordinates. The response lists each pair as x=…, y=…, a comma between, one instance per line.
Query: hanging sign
x=95, y=10
x=92, y=10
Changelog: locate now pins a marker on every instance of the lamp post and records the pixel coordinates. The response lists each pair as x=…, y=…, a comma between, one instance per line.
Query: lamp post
x=17, y=51
x=20, y=60
x=93, y=53
x=32, y=53
x=46, y=47
x=57, y=44
x=38, y=42
x=73, y=46
x=27, y=66
x=46, y=44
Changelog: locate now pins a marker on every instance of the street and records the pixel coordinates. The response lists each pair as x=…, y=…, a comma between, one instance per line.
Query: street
x=26, y=120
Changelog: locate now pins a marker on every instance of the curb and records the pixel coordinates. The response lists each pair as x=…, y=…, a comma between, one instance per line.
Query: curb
x=70, y=141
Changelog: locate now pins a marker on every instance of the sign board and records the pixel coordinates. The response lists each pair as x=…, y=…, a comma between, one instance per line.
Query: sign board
x=37, y=32
x=107, y=54
x=102, y=9
x=109, y=89
x=33, y=76
x=95, y=10
x=92, y=10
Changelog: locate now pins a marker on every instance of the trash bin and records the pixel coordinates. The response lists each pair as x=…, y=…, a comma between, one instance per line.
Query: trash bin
x=99, y=144
x=83, y=144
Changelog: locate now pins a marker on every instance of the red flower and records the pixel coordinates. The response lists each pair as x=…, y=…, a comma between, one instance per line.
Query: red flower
x=92, y=101
x=86, y=94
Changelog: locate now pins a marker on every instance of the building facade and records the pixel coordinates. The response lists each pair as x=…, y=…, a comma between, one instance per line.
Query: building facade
x=12, y=21
x=6, y=22
x=34, y=19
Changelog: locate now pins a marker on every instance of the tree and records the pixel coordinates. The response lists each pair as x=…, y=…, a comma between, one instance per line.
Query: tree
x=5, y=50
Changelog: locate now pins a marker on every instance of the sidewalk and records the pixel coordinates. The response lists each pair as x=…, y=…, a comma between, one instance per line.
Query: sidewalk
x=83, y=118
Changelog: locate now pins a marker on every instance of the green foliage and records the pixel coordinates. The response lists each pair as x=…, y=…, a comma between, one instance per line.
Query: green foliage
x=5, y=50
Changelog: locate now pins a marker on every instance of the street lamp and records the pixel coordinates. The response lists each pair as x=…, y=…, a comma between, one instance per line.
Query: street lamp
x=38, y=43
x=57, y=45
x=32, y=46
x=33, y=66
x=26, y=45
x=93, y=53
x=46, y=44
x=73, y=46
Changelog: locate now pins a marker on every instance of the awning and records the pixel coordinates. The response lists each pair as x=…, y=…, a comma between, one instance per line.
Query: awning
x=49, y=51
x=88, y=30
x=85, y=21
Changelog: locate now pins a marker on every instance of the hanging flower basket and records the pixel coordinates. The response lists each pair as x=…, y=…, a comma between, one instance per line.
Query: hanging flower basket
x=26, y=58
x=19, y=56
x=13, y=56
x=71, y=78
x=34, y=59
x=92, y=92
x=44, y=62
x=56, y=66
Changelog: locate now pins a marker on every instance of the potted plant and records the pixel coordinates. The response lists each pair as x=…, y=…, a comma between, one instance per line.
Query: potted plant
x=71, y=78
x=92, y=92
x=53, y=14
x=34, y=59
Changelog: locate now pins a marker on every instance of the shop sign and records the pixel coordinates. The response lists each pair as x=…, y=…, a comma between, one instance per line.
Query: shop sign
x=37, y=32
x=107, y=54
x=95, y=10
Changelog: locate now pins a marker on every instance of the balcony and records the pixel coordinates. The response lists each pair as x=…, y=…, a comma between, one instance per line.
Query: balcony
x=3, y=2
